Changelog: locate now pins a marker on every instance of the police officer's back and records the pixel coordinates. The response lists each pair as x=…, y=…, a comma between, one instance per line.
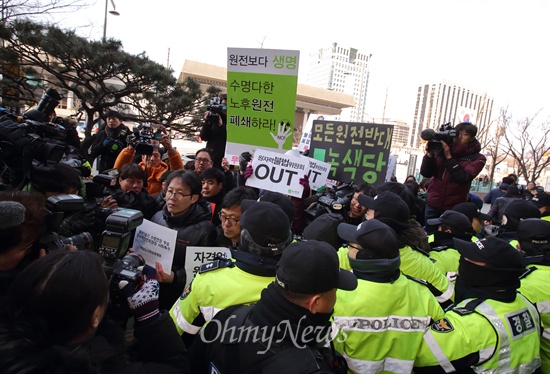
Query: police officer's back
x=265, y=233
x=534, y=243
x=288, y=327
x=450, y=225
x=493, y=329
x=388, y=310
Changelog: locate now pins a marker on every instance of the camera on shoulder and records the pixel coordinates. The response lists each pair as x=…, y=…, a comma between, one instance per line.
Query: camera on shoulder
x=446, y=133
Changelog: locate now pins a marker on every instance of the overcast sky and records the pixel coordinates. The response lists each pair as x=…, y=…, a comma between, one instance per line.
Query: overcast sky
x=498, y=47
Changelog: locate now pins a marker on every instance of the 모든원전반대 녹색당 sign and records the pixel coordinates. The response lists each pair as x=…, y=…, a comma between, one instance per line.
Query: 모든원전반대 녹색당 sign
x=356, y=151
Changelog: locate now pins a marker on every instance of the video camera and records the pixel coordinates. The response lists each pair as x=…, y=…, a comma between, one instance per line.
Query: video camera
x=57, y=206
x=332, y=200
x=215, y=109
x=142, y=136
x=446, y=133
x=33, y=136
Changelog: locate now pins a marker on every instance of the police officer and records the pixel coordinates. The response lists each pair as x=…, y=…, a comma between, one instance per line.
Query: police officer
x=390, y=209
x=516, y=211
x=449, y=225
x=387, y=310
x=534, y=242
x=265, y=233
x=476, y=217
x=542, y=201
x=287, y=329
x=493, y=329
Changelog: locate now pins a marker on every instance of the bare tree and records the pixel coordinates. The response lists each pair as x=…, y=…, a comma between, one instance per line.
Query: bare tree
x=12, y=9
x=99, y=74
x=529, y=145
x=493, y=141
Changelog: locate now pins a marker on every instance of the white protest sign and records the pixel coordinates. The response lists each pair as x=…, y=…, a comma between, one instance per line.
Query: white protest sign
x=196, y=256
x=155, y=243
x=318, y=173
x=278, y=172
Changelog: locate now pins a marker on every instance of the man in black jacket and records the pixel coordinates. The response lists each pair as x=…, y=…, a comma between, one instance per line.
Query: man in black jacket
x=110, y=141
x=287, y=330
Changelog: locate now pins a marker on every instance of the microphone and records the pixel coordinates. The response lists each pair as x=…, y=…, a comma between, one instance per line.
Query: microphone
x=427, y=134
x=12, y=214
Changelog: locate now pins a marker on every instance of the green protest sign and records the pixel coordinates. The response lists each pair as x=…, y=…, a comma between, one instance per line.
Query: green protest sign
x=355, y=151
x=261, y=100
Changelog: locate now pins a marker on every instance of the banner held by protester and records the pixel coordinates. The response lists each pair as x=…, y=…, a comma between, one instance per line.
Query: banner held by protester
x=261, y=100
x=355, y=151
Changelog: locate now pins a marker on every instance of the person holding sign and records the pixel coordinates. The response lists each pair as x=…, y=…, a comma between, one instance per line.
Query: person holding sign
x=264, y=236
x=189, y=214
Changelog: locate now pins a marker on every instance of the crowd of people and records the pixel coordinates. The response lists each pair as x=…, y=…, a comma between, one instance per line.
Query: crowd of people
x=404, y=279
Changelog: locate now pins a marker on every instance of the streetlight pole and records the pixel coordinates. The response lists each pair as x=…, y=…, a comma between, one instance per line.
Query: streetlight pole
x=113, y=12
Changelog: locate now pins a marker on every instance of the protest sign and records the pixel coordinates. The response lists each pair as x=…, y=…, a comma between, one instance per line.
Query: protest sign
x=155, y=243
x=306, y=131
x=355, y=151
x=196, y=256
x=278, y=172
x=261, y=100
x=318, y=173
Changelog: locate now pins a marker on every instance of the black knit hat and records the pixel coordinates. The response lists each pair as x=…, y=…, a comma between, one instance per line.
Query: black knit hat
x=265, y=229
x=113, y=113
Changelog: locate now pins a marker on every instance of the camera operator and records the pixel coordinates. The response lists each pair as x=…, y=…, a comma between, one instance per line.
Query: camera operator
x=451, y=170
x=54, y=322
x=214, y=129
x=109, y=141
x=152, y=164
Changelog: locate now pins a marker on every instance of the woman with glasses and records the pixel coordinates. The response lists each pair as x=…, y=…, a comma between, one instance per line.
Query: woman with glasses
x=189, y=214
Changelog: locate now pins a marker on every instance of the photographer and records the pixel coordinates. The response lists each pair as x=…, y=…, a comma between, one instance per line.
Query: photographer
x=451, y=169
x=54, y=322
x=214, y=129
x=131, y=193
x=109, y=141
x=152, y=164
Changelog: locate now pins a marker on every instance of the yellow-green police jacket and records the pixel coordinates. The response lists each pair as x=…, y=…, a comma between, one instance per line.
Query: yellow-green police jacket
x=536, y=287
x=417, y=265
x=379, y=326
x=492, y=337
x=213, y=291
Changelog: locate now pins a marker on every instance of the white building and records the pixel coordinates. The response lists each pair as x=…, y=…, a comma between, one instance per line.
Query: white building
x=345, y=70
x=441, y=103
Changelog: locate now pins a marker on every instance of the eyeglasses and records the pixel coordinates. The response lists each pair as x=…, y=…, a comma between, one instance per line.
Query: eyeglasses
x=202, y=161
x=177, y=195
x=231, y=221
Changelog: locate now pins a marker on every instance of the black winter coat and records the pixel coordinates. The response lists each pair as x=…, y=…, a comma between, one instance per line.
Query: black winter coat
x=194, y=229
x=157, y=348
x=106, y=157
